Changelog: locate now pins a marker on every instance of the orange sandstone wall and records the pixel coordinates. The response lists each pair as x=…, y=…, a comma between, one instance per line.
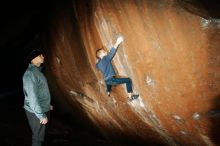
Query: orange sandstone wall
x=171, y=54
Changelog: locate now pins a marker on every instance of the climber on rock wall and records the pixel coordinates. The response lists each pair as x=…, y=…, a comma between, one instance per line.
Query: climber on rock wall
x=104, y=64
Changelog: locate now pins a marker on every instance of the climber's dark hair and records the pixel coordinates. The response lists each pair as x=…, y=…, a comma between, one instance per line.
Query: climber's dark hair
x=98, y=52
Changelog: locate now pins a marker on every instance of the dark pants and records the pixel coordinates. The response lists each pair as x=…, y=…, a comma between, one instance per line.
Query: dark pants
x=117, y=81
x=38, y=129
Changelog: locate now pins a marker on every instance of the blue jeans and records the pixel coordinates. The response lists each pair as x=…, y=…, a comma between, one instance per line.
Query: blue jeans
x=117, y=81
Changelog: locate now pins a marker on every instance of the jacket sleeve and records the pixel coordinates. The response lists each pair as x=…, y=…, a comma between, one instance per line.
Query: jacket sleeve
x=30, y=88
x=111, y=54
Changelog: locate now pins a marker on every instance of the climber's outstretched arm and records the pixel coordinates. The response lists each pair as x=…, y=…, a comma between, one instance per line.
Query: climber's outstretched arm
x=118, y=42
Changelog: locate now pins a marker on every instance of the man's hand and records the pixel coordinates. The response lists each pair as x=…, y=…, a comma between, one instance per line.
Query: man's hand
x=51, y=107
x=119, y=40
x=44, y=121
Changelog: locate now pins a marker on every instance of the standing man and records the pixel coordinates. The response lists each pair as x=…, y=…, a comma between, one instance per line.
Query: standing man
x=37, y=97
x=104, y=64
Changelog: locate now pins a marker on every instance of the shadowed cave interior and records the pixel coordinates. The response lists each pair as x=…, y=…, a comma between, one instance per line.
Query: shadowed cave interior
x=171, y=52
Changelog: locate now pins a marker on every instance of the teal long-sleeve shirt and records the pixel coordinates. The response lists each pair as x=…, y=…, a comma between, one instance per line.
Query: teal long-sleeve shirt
x=105, y=65
x=37, y=96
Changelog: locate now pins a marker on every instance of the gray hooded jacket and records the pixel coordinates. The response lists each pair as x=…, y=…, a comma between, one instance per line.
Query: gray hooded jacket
x=37, y=96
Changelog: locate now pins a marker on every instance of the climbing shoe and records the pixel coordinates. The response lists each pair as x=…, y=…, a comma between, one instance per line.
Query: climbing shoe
x=134, y=96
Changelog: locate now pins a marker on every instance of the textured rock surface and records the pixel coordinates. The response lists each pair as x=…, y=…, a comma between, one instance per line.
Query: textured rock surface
x=171, y=52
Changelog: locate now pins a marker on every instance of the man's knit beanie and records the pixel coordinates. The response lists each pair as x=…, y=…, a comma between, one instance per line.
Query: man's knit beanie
x=33, y=54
